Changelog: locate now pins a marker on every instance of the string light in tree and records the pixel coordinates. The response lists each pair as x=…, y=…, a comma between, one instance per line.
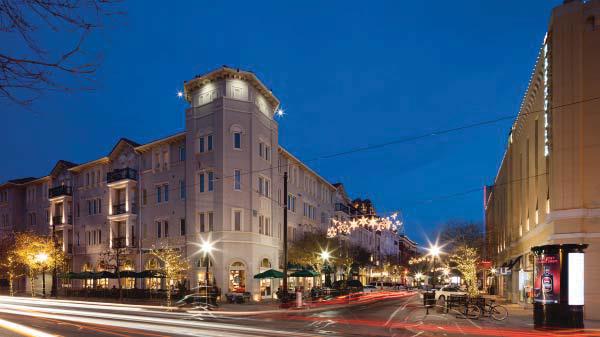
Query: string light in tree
x=375, y=223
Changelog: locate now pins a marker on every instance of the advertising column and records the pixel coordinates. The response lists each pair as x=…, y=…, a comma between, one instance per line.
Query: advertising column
x=558, y=286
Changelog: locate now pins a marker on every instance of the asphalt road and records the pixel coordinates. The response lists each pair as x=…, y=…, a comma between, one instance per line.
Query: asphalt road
x=398, y=316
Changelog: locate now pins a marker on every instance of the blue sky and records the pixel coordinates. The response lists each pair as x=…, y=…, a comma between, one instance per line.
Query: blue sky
x=348, y=74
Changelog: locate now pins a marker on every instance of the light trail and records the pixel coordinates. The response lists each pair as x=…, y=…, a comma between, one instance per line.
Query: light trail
x=23, y=330
x=164, y=325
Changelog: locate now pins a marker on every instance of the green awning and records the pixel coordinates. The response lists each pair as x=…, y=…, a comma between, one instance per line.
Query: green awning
x=104, y=274
x=304, y=273
x=271, y=273
x=127, y=273
x=150, y=274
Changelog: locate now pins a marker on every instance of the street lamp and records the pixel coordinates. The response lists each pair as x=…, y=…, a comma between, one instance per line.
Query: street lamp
x=325, y=255
x=42, y=258
x=434, y=251
x=206, y=248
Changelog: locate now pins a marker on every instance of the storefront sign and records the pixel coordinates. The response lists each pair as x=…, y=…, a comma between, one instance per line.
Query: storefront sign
x=547, y=279
x=576, y=267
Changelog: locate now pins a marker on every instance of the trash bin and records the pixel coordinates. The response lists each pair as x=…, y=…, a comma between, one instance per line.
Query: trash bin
x=429, y=299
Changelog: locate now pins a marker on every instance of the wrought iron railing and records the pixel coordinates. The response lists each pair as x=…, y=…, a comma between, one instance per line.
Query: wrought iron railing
x=121, y=174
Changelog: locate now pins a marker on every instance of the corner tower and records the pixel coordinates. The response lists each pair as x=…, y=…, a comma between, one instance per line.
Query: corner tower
x=231, y=157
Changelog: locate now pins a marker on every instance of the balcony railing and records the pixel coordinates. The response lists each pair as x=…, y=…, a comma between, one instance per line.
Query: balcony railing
x=120, y=242
x=121, y=209
x=121, y=174
x=60, y=191
x=59, y=220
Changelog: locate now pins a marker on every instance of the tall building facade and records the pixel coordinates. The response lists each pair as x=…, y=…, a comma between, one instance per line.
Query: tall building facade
x=219, y=181
x=547, y=189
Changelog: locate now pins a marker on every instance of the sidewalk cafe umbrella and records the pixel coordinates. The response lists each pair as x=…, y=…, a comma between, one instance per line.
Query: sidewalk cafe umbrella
x=127, y=273
x=304, y=273
x=69, y=276
x=271, y=273
x=150, y=274
x=104, y=274
x=84, y=275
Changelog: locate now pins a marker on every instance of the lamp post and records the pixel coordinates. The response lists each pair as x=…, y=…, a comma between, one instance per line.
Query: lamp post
x=41, y=259
x=206, y=248
x=434, y=251
x=325, y=255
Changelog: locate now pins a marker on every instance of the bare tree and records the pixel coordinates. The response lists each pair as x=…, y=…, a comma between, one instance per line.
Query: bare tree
x=30, y=67
x=113, y=259
x=455, y=234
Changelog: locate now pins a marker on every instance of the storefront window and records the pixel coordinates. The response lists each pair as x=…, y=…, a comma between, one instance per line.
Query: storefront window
x=237, y=277
x=128, y=282
x=153, y=283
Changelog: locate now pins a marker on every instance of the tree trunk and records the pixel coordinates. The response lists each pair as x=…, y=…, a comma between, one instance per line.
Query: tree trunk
x=32, y=284
x=11, y=289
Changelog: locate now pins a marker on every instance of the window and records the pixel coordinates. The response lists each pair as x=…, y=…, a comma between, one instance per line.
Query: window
x=291, y=203
x=95, y=206
x=166, y=228
x=237, y=140
x=267, y=153
x=201, y=144
x=182, y=189
x=261, y=149
x=77, y=238
x=99, y=206
x=166, y=190
x=158, y=229
x=87, y=179
x=264, y=186
x=202, y=222
x=209, y=142
x=211, y=219
x=268, y=230
x=260, y=185
x=99, y=237
x=237, y=181
x=144, y=196
x=201, y=182
x=182, y=227
x=261, y=224
x=210, y=181
x=237, y=220
x=158, y=194
x=89, y=207
x=77, y=210
x=181, y=153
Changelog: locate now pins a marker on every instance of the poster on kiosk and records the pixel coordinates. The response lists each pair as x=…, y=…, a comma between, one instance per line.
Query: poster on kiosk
x=546, y=286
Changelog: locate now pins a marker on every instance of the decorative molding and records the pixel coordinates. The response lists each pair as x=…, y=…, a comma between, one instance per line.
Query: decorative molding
x=576, y=213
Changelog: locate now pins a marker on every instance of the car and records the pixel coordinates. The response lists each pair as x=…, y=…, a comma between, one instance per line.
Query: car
x=446, y=291
x=369, y=288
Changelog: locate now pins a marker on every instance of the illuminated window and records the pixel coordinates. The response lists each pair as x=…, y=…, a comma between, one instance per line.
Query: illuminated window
x=237, y=181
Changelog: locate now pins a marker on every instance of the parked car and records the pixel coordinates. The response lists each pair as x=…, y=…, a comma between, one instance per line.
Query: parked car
x=369, y=288
x=446, y=291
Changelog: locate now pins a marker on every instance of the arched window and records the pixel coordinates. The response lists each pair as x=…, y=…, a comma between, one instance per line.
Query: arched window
x=237, y=277
x=152, y=264
x=265, y=263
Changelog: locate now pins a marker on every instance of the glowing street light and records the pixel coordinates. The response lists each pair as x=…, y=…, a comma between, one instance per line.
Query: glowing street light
x=206, y=248
x=434, y=251
x=42, y=258
x=280, y=112
x=325, y=255
x=180, y=94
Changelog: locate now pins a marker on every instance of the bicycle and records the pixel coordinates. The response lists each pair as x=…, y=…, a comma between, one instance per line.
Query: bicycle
x=495, y=311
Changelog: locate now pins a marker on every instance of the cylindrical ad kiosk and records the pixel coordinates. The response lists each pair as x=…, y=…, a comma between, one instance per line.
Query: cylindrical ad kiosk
x=558, y=289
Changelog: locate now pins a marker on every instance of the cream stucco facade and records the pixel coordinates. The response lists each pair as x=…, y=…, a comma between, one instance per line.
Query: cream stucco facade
x=547, y=190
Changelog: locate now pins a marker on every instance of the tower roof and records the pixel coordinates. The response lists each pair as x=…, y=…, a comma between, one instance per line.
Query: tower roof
x=226, y=72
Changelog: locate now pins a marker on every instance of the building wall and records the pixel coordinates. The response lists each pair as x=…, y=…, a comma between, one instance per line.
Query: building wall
x=546, y=199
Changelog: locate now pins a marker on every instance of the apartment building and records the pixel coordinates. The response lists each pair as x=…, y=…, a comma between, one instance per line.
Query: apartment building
x=547, y=189
x=220, y=180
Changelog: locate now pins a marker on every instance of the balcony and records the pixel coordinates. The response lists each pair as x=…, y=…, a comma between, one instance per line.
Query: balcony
x=121, y=242
x=59, y=220
x=121, y=209
x=60, y=191
x=121, y=174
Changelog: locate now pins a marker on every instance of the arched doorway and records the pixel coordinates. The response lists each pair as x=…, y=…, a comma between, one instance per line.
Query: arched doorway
x=265, y=284
x=153, y=283
x=237, y=277
x=202, y=277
